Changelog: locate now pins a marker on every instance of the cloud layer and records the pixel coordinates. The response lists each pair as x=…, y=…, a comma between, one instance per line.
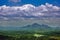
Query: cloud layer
x=29, y=11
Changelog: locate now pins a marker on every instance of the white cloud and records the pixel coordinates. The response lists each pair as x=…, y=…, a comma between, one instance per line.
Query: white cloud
x=29, y=11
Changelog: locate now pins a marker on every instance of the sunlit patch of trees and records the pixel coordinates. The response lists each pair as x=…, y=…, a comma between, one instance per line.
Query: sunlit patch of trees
x=23, y=35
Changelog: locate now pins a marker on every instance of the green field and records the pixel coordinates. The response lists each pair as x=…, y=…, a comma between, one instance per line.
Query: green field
x=29, y=35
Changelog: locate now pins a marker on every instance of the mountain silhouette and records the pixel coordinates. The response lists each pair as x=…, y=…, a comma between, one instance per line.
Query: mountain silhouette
x=36, y=26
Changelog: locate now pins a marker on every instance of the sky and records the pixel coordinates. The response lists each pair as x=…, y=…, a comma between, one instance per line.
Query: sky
x=30, y=9
x=33, y=2
x=17, y=9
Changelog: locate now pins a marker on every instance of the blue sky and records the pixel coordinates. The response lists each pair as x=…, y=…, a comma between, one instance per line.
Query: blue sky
x=34, y=2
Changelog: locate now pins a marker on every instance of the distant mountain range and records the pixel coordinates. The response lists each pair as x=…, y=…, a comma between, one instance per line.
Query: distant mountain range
x=36, y=26
x=32, y=27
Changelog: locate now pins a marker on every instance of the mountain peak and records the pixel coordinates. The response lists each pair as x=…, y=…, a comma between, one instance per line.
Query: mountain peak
x=36, y=24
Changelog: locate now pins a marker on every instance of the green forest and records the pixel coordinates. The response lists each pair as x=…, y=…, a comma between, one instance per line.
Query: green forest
x=29, y=35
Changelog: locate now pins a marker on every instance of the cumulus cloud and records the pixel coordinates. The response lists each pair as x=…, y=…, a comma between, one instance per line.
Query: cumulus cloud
x=29, y=11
